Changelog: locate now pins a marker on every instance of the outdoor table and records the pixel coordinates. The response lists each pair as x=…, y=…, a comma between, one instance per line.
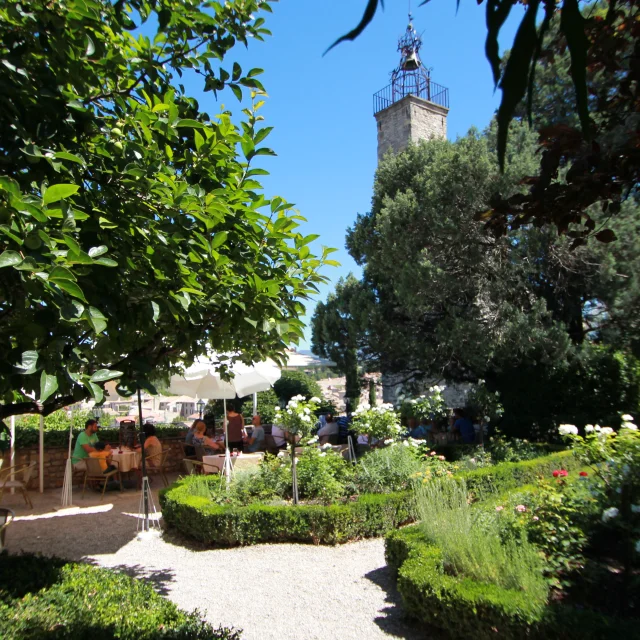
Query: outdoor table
x=127, y=460
x=214, y=464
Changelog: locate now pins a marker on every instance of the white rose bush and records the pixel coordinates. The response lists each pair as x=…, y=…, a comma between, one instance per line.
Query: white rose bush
x=614, y=458
x=297, y=419
x=380, y=423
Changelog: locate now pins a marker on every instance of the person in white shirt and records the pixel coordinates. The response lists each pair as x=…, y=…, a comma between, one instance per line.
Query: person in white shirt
x=279, y=436
x=329, y=429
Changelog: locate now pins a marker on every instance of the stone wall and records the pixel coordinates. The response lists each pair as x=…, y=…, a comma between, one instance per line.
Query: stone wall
x=55, y=459
x=409, y=120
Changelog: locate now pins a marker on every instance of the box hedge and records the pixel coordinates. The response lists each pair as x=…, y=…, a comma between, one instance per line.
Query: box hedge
x=50, y=598
x=367, y=516
x=466, y=608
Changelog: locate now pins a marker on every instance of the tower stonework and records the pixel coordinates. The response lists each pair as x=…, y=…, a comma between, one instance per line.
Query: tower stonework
x=412, y=107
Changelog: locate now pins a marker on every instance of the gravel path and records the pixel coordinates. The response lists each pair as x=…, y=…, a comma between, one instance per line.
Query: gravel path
x=281, y=592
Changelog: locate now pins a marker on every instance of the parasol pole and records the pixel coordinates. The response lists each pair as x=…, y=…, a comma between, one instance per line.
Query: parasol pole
x=145, y=480
x=226, y=467
x=41, y=453
x=67, y=485
x=255, y=405
x=12, y=450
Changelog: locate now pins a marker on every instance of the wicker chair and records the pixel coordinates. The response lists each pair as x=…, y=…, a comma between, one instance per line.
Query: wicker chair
x=95, y=473
x=22, y=474
x=156, y=464
x=193, y=467
x=6, y=516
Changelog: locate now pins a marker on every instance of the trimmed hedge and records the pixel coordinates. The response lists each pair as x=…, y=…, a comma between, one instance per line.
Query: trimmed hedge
x=465, y=608
x=511, y=475
x=462, y=607
x=454, y=452
x=367, y=516
x=50, y=598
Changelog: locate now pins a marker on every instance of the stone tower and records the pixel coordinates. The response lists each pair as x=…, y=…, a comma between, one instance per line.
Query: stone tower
x=412, y=107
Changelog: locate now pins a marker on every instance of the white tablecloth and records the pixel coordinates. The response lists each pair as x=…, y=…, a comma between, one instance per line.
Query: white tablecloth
x=127, y=460
x=214, y=464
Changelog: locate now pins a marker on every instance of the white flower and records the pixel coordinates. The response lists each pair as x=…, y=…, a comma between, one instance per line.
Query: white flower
x=635, y=508
x=276, y=409
x=388, y=441
x=405, y=443
x=589, y=428
x=627, y=418
x=413, y=401
x=629, y=425
x=365, y=406
x=321, y=455
x=315, y=400
x=313, y=440
x=305, y=418
x=325, y=446
x=568, y=429
x=607, y=431
x=598, y=428
x=292, y=404
x=609, y=514
x=487, y=419
x=290, y=412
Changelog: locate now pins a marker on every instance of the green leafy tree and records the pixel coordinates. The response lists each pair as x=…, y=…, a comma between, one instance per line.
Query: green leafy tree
x=338, y=330
x=584, y=43
x=296, y=383
x=133, y=234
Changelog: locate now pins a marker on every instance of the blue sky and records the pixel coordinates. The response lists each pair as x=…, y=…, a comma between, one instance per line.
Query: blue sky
x=321, y=106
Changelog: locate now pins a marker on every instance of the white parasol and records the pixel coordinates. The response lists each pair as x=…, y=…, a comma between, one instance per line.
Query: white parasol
x=203, y=380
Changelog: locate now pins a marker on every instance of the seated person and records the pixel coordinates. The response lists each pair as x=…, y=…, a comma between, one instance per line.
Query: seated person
x=102, y=451
x=421, y=431
x=329, y=429
x=463, y=427
x=279, y=437
x=200, y=438
x=85, y=444
x=255, y=442
x=152, y=446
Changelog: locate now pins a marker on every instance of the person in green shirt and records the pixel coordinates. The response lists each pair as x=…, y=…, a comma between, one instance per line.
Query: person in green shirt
x=85, y=445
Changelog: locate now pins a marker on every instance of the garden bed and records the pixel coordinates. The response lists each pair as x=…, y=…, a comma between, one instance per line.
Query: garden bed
x=367, y=515
x=50, y=598
x=467, y=608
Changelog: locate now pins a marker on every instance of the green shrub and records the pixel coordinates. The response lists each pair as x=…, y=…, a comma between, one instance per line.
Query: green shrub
x=48, y=598
x=201, y=519
x=510, y=475
x=294, y=383
x=386, y=470
x=469, y=609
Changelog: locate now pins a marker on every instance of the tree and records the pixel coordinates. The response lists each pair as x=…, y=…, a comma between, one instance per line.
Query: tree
x=599, y=41
x=338, y=331
x=132, y=234
x=296, y=383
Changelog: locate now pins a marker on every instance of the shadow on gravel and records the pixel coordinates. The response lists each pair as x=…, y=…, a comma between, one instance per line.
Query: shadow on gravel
x=160, y=579
x=394, y=622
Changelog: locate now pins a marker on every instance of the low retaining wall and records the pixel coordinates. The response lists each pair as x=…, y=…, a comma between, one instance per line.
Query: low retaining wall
x=55, y=459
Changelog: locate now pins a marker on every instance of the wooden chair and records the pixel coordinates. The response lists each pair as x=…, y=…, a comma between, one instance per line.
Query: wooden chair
x=199, y=451
x=6, y=516
x=94, y=472
x=193, y=467
x=270, y=444
x=156, y=465
x=22, y=474
x=188, y=451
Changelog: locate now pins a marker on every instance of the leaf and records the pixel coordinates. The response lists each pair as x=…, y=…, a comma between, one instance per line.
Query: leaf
x=94, y=252
x=10, y=185
x=369, y=12
x=497, y=13
x=606, y=236
x=255, y=72
x=59, y=191
x=61, y=273
x=218, y=239
x=91, y=47
x=237, y=72
x=516, y=74
x=48, y=386
x=65, y=155
x=572, y=25
x=156, y=311
x=9, y=259
x=262, y=134
x=28, y=364
x=103, y=375
x=237, y=91
x=198, y=139
x=106, y=262
x=96, y=318
x=187, y=122
x=96, y=391
x=264, y=151
x=71, y=288
x=253, y=323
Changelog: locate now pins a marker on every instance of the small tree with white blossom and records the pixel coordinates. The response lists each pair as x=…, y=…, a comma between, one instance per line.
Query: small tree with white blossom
x=381, y=422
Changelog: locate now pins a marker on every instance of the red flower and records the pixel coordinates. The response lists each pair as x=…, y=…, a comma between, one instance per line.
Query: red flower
x=563, y=473
x=556, y=473
x=560, y=473
x=584, y=474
